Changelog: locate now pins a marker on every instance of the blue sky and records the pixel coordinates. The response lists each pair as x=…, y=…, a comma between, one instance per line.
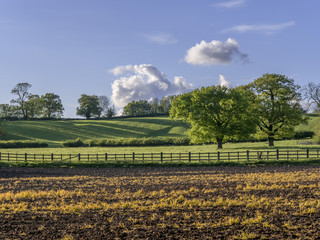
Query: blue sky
x=129, y=49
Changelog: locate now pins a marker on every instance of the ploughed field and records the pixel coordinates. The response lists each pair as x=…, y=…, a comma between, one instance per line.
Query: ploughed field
x=271, y=202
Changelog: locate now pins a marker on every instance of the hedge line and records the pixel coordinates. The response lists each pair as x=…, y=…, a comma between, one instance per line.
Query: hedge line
x=158, y=141
x=125, y=142
x=22, y=144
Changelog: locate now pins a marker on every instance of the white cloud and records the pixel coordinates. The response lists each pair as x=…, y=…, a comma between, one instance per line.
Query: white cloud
x=143, y=82
x=230, y=4
x=161, y=38
x=224, y=82
x=214, y=53
x=266, y=28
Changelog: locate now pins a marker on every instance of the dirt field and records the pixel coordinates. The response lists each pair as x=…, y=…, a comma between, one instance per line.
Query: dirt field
x=270, y=202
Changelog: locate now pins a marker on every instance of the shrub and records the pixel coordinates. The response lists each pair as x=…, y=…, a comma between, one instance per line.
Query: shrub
x=124, y=142
x=22, y=144
x=303, y=134
x=75, y=143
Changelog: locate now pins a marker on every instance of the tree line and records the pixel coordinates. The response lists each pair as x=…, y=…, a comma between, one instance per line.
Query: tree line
x=26, y=105
x=269, y=107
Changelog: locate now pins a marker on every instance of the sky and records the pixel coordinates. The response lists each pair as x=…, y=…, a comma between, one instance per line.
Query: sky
x=141, y=49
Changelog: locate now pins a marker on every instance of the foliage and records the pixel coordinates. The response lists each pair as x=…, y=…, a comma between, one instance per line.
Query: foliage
x=119, y=142
x=2, y=131
x=216, y=114
x=74, y=143
x=9, y=112
x=137, y=108
x=22, y=144
x=51, y=105
x=277, y=103
x=89, y=106
x=33, y=106
x=22, y=92
x=111, y=112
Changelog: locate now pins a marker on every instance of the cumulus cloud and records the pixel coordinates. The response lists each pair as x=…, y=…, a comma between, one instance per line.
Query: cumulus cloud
x=230, y=4
x=143, y=82
x=161, y=38
x=214, y=53
x=224, y=82
x=266, y=28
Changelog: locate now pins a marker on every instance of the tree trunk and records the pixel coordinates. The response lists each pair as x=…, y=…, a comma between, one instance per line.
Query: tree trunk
x=271, y=141
x=219, y=141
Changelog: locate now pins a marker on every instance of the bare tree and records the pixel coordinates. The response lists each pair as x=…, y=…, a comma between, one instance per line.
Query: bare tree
x=104, y=105
x=312, y=94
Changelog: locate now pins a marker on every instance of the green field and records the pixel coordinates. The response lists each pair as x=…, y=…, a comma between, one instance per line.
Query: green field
x=56, y=132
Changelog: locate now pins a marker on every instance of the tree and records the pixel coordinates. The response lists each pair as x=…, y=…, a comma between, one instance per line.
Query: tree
x=216, y=114
x=137, y=108
x=111, y=112
x=312, y=94
x=51, y=106
x=33, y=106
x=21, y=90
x=89, y=106
x=104, y=105
x=2, y=131
x=277, y=102
x=10, y=111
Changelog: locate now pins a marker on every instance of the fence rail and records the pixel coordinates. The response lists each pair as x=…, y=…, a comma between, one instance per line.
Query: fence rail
x=161, y=157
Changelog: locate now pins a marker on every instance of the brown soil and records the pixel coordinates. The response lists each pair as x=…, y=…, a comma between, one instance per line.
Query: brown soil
x=283, y=219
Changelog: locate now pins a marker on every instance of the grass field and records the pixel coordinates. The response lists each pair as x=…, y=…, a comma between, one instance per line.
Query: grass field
x=268, y=202
x=55, y=132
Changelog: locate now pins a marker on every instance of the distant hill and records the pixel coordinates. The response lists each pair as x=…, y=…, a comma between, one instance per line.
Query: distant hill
x=54, y=132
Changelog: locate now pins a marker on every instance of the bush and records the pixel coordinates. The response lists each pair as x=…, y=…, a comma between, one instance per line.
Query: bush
x=75, y=143
x=303, y=134
x=22, y=144
x=125, y=142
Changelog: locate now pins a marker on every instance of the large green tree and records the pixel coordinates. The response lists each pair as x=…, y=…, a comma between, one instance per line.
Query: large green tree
x=21, y=90
x=277, y=102
x=137, y=108
x=216, y=114
x=33, y=106
x=51, y=106
x=89, y=106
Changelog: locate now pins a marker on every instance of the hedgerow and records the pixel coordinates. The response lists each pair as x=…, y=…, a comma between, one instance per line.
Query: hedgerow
x=22, y=144
x=124, y=142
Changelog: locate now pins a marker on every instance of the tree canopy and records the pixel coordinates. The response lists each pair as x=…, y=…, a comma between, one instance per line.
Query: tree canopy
x=22, y=92
x=277, y=104
x=137, y=108
x=51, y=105
x=89, y=106
x=216, y=114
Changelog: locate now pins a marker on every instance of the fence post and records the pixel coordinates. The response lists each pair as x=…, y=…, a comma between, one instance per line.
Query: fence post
x=161, y=157
x=0, y=156
x=25, y=157
x=51, y=156
x=218, y=155
x=106, y=156
x=277, y=154
x=189, y=156
x=79, y=157
x=248, y=155
x=133, y=157
x=307, y=152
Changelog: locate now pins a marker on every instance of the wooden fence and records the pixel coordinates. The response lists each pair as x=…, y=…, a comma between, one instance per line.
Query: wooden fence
x=161, y=157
